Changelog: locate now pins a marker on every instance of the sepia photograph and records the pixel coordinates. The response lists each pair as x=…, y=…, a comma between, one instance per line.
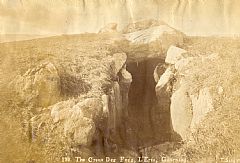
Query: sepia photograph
x=119, y=81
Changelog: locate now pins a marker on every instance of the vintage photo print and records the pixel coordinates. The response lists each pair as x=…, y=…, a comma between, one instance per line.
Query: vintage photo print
x=119, y=81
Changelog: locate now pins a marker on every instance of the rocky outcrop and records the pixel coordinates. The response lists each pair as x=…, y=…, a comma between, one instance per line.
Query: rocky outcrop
x=116, y=106
x=174, y=54
x=78, y=119
x=164, y=79
x=116, y=101
x=119, y=60
x=181, y=111
x=125, y=82
x=202, y=103
x=95, y=123
x=141, y=25
x=39, y=86
x=164, y=33
x=187, y=108
x=158, y=36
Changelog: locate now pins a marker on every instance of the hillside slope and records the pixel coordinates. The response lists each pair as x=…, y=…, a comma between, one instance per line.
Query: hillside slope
x=112, y=94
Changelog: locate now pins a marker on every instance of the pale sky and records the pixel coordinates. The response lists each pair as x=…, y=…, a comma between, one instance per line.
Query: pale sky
x=193, y=17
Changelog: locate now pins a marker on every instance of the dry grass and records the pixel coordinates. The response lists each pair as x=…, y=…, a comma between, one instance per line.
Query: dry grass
x=80, y=60
x=219, y=134
x=83, y=69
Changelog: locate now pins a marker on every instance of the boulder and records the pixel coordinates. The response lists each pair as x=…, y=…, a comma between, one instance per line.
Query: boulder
x=202, y=103
x=115, y=109
x=82, y=129
x=61, y=111
x=174, y=54
x=119, y=60
x=105, y=103
x=181, y=111
x=165, y=79
x=141, y=25
x=126, y=77
x=89, y=108
x=158, y=71
x=160, y=114
x=78, y=119
x=151, y=34
x=125, y=80
x=39, y=86
x=187, y=109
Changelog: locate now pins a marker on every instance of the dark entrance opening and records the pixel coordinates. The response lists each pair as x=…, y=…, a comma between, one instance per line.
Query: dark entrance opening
x=148, y=124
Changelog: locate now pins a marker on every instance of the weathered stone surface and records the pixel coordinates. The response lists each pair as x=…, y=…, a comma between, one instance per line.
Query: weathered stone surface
x=141, y=25
x=161, y=113
x=201, y=104
x=105, y=102
x=78, y=119
x=158, y=71
x=125, y=82
x=152, y=34
x=126, y=77
x=39, y=86
x=174, y=54
x=82, y=129
x=115, y=109
x=181, y=111
x=61, y=110
x=119, y=60
x=187, y=111
x=164, y=79
x=188, y=108
x=90, y=108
